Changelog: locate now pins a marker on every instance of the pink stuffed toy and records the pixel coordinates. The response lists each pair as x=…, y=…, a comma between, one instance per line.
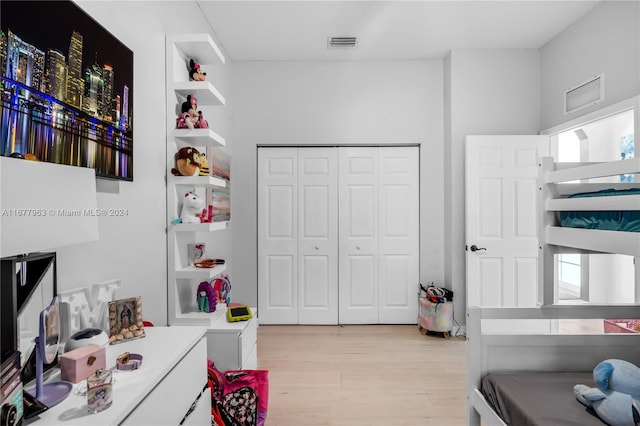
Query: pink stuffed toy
x=190, y=117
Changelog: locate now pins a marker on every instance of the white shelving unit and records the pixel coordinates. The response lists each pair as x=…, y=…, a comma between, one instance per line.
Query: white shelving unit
x=229, y=345
x=183, y=278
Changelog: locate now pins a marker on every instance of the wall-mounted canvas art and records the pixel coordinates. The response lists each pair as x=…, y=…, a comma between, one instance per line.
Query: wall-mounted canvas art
x=67, y=88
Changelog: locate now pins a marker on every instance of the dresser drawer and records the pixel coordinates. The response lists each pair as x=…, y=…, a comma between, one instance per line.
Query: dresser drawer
x=188, y=376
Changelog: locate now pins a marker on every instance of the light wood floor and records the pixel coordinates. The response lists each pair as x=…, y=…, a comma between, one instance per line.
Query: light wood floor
x=362, y=375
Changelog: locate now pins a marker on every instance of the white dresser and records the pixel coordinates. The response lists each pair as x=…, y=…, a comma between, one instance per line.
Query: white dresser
x=232, y=345
x=160, y=392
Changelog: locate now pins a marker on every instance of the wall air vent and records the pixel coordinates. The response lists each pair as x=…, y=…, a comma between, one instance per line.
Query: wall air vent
x=585, y=94
x=335, y=42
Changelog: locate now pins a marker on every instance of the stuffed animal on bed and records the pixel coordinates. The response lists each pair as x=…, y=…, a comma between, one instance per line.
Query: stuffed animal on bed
x=616, y=399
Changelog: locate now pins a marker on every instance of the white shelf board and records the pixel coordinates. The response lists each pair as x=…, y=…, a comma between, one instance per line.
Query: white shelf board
x=611, y=203
x=204, y=91
x=202, y=273
x=594, y=170
x=207, y=319
x=199, y=47
x=595, y=240
x=199, y=227
x=198, y=137
x=198, y=181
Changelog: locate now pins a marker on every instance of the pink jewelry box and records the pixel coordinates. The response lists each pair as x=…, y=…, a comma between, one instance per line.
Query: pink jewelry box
x=80, y=363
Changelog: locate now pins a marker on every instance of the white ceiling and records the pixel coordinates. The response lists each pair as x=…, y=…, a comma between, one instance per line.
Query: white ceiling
x=386, y=30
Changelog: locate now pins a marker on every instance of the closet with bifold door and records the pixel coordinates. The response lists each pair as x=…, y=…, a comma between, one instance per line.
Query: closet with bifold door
x=338, y=235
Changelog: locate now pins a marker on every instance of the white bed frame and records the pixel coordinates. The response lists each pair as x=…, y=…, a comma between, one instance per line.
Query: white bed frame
x=494, y=351
x=552, y=198
x=490, y=349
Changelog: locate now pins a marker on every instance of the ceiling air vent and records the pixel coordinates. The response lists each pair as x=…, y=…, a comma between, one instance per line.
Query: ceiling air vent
x=342, y=42
x=585, y=94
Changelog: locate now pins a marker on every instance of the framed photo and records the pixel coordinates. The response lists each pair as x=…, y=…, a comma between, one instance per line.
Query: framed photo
x=125, y=320
x=195, y=251
x=67, y=88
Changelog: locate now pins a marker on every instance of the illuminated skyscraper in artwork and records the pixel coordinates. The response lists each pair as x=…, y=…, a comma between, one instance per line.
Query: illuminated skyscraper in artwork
x=107, y=94
x=75, y=84
x=38, y=70
x=23, y=62
x=3, y=53
x=124, y=117
x=116, y=115
x=56, y=74
x=92, y=102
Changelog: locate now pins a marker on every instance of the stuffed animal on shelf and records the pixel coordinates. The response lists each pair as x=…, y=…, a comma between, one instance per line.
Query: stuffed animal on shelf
x=616, y=399
x=204, y=165
x=195, y=72
x=193, y=208
x=206, y=298
x=222, y=289
x=190, y=117
x=187, y=162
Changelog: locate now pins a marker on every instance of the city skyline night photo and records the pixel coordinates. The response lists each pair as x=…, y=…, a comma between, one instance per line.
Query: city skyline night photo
x=67, y=88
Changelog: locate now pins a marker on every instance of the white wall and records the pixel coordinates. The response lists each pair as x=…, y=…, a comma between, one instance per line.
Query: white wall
x=395, y=102
x=491, y=92
x=133, y=248
x=606, y=39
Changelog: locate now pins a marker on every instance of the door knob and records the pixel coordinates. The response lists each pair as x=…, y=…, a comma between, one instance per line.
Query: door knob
x=475, y=248
x=357, y=247
x=317, y=247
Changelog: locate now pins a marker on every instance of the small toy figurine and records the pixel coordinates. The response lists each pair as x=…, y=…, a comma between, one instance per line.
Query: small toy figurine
x=195, y=72
x=204, y=165
x=190, y=117
x=187, y=162
x=192, y=208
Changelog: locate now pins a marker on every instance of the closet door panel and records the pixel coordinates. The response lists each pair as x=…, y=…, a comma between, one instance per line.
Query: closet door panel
x=278, y=236
x=399, y=235
x=358, y=241
x=318, y=236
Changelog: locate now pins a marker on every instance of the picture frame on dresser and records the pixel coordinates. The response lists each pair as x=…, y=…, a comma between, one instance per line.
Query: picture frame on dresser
x=125, y=320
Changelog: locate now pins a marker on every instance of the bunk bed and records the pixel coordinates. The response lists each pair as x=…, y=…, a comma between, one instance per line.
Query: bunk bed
x=526, y=378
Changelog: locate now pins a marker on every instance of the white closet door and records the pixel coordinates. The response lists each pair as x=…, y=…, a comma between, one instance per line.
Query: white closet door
x=278, y=235
x=338, y=235
x=358, y=241
x=318, y=236
x=399, y=233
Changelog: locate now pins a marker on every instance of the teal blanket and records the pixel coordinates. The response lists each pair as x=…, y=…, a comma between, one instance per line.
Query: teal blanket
x=628, y=221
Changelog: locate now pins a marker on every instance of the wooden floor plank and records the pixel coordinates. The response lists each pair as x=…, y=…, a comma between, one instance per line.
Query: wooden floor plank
x=372, y=375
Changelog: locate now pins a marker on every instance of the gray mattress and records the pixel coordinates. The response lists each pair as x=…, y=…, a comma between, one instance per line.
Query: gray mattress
x=540, y=399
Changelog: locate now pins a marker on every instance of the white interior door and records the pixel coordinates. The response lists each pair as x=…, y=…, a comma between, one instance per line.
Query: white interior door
x=398, y=235
x=379, y=235
x=358, y=241
x=278, y=235
x=318, y=236
x=501, y=219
